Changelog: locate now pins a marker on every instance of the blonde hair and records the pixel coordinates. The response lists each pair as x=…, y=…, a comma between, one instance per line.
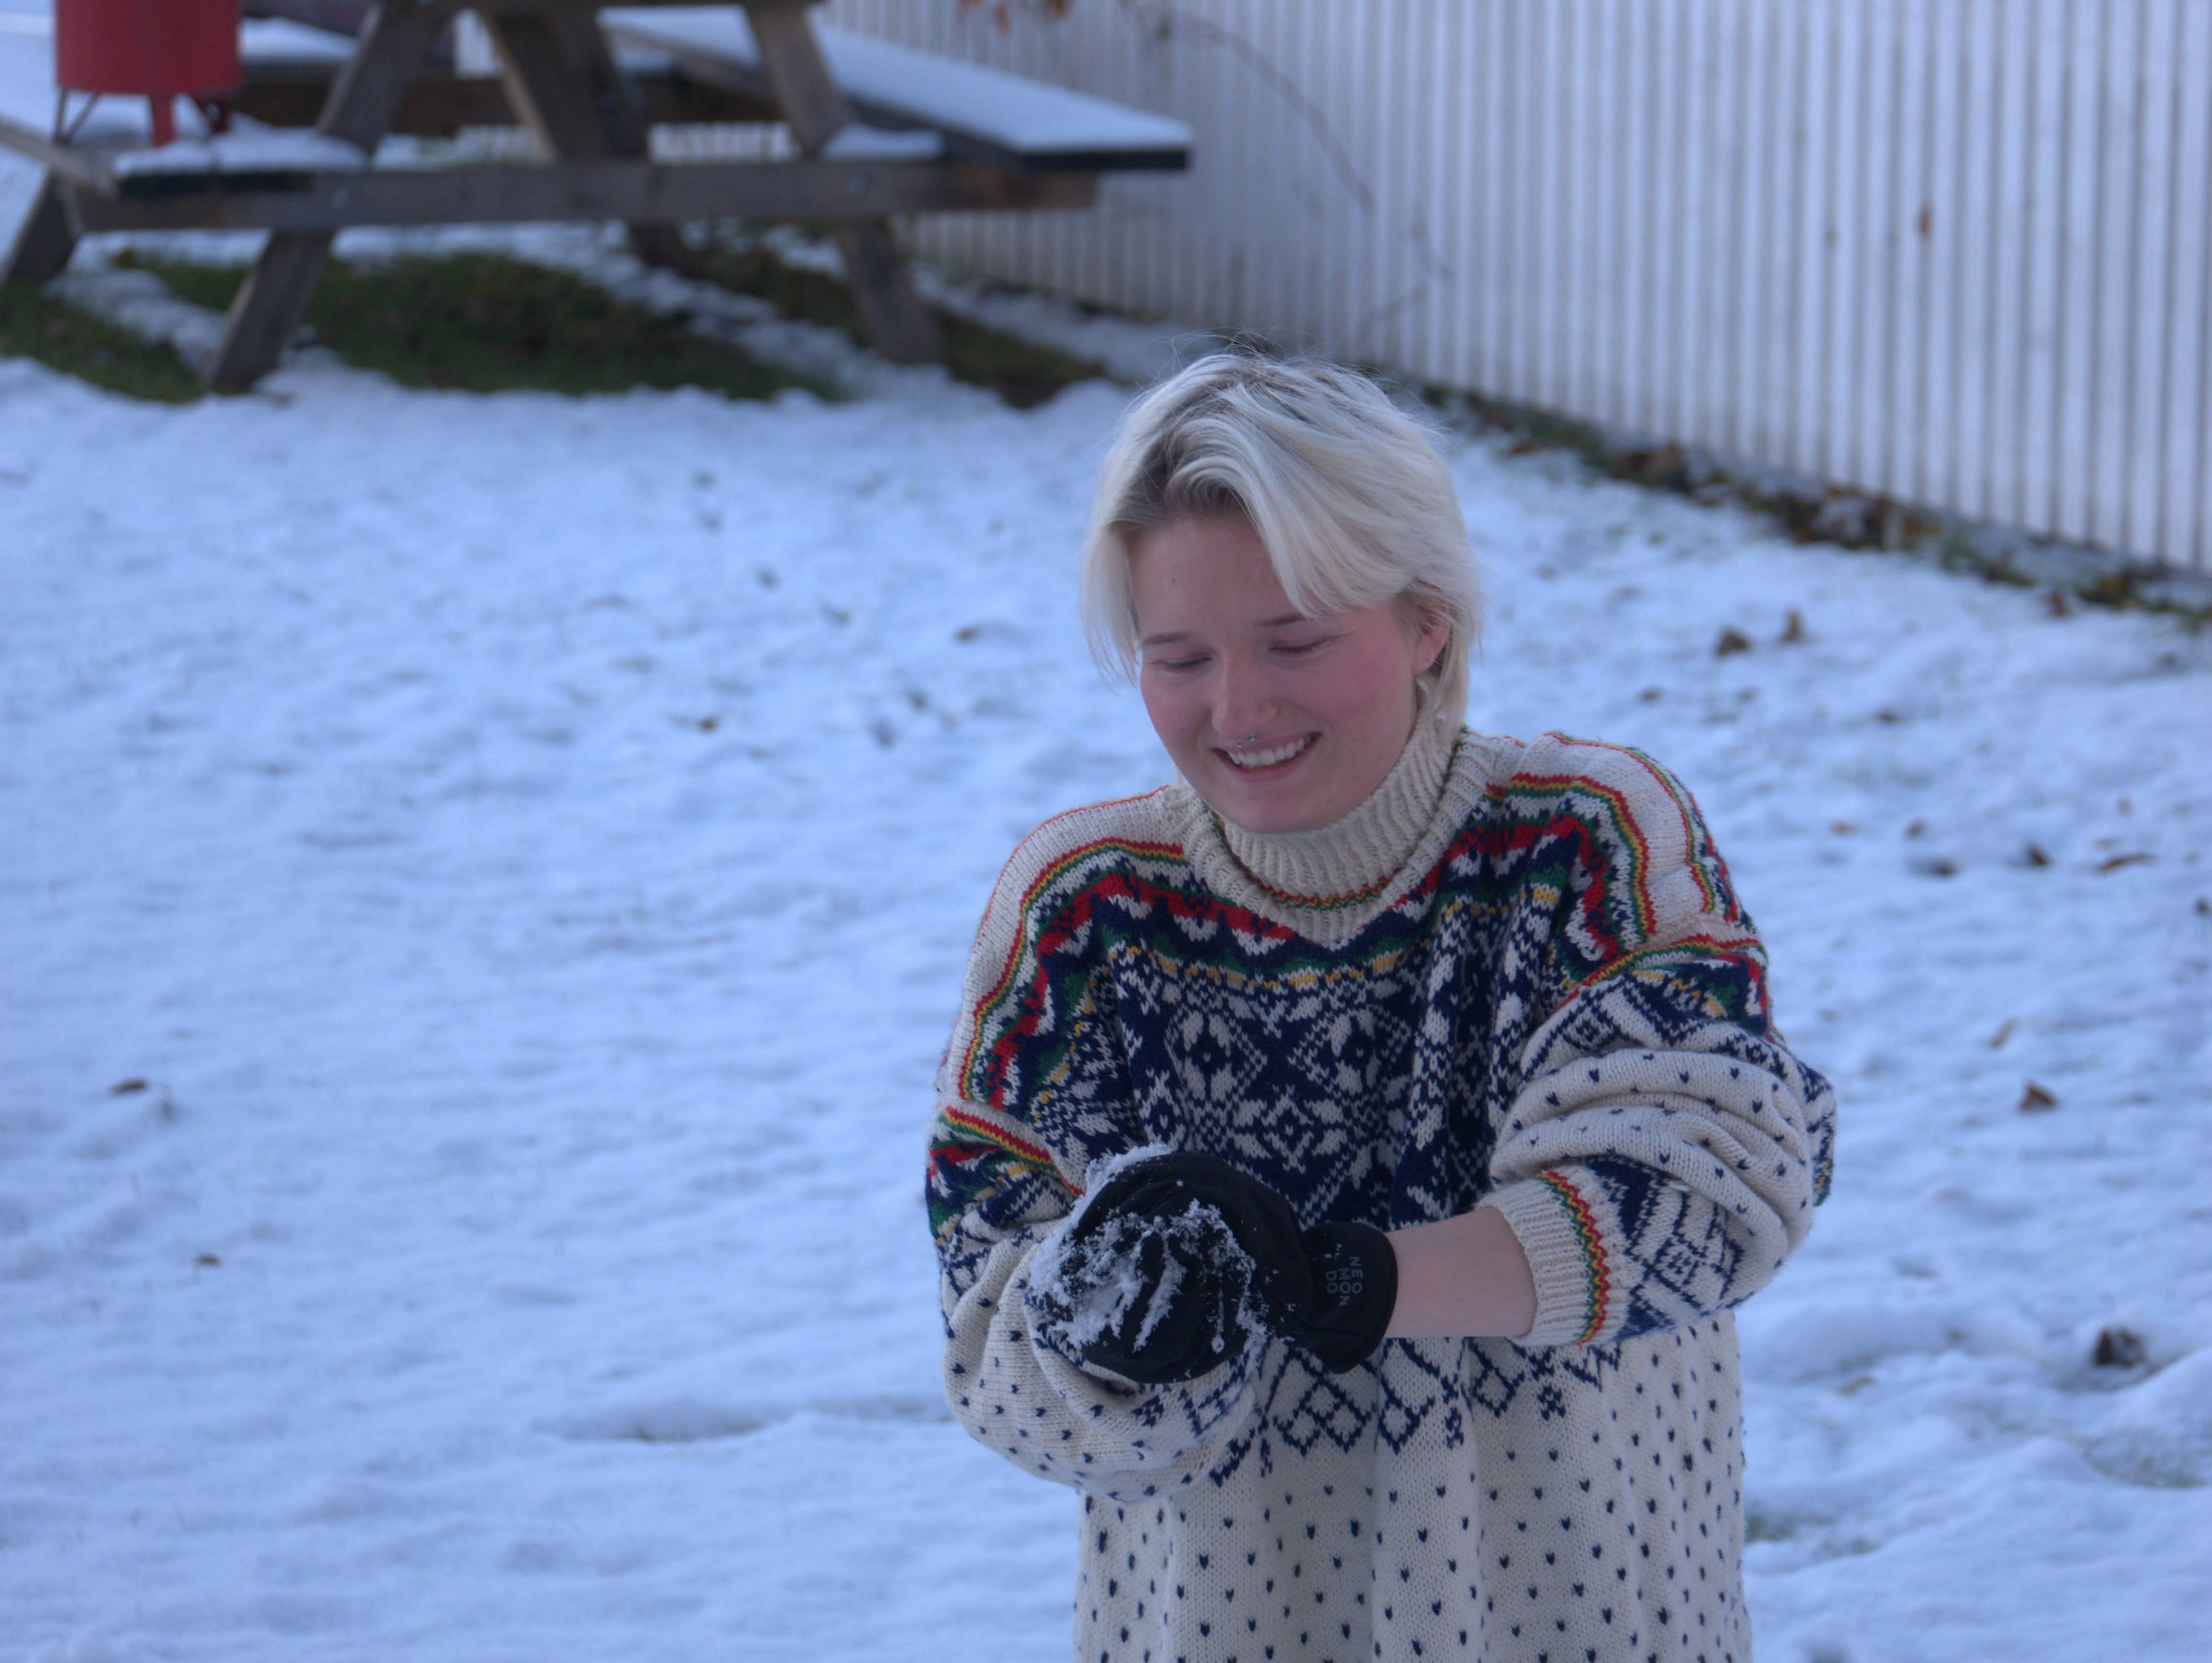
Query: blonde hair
x=1348, y=492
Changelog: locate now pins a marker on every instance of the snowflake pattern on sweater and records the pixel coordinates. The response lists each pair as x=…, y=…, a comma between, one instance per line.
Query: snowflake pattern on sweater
x=1557, y=1008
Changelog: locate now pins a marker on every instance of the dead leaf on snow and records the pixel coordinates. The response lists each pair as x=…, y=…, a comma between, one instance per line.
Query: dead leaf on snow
x=2120, y=1347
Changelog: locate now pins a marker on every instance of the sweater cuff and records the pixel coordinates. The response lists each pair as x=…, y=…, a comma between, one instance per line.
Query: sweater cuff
x=1566, y=1258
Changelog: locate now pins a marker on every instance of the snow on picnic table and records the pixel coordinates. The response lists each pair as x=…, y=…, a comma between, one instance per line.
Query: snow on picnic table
x=484, y=882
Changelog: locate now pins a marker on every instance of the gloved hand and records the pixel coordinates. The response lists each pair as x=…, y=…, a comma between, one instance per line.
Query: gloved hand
x=1152, y=1284
x=1331, y=1288
x=1354, y=1271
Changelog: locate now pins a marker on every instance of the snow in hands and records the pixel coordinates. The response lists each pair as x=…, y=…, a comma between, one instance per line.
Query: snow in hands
x=1098, y=1286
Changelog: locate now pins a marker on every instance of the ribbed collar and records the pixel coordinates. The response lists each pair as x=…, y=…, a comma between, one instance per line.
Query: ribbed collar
x=1355, y=858
x=1329, y=885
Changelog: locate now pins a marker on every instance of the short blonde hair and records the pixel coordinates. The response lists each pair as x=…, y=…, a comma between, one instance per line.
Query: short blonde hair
x=1346, y=491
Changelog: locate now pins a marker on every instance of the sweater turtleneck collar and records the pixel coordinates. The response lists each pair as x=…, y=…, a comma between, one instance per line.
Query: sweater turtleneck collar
x=1358, y=856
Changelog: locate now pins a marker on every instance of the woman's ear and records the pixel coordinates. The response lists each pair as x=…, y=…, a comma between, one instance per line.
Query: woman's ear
x=1432, y=632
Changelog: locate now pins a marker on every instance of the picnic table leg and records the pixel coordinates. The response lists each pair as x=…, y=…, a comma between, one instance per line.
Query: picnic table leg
x=363, y=101
x=562, y=81
x=898, y=323
x=46, y=238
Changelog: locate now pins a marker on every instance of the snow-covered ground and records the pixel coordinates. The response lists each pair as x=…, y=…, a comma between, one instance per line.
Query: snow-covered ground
x=484, y=882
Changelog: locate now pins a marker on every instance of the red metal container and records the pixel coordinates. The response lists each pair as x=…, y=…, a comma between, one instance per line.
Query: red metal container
x=164, y=49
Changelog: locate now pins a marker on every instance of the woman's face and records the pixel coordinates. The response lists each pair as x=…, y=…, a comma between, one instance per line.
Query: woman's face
x=1282, y=722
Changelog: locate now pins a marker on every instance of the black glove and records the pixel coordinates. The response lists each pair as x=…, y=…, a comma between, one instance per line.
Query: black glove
x=1331, y=1288
x=1354, y=1272
x=1152, y=1284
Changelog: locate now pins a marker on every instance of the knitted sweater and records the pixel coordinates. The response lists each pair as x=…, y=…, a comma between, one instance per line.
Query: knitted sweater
x=1517, y=975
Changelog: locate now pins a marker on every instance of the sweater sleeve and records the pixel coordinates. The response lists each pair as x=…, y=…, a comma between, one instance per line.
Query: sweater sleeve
x=1663, y=1151
x=1027, y=1103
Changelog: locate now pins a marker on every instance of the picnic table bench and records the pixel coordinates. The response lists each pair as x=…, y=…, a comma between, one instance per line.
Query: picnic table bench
x=880, y=128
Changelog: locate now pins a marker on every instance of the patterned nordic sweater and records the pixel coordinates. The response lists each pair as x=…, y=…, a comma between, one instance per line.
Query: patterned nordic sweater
x=1517, y=975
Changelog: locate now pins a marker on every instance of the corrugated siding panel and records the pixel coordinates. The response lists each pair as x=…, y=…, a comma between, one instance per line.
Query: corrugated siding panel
x=1958, y=252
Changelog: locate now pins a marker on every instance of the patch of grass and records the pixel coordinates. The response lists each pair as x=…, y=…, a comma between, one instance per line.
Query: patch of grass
x=485, y=323
x=1023, y=373
x=1808, y=512
x=34, y=324
x=482, y=322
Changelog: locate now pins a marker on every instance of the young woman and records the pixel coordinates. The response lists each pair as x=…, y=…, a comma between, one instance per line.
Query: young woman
x=1347, y=1156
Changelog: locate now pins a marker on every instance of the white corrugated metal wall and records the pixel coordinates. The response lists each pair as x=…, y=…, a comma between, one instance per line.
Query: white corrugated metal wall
x=1955, y=252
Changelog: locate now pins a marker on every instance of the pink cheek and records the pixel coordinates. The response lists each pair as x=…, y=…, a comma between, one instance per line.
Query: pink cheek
x=1338, y=695
x=1173, y=719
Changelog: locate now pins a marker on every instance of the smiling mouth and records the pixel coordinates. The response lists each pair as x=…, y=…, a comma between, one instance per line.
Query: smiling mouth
x=1272, y=756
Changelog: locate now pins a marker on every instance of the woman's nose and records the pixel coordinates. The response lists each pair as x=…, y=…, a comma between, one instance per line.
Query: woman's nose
x=1244, y=699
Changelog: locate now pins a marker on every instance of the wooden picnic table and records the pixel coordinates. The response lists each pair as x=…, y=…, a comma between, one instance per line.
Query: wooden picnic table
x=588, y=81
